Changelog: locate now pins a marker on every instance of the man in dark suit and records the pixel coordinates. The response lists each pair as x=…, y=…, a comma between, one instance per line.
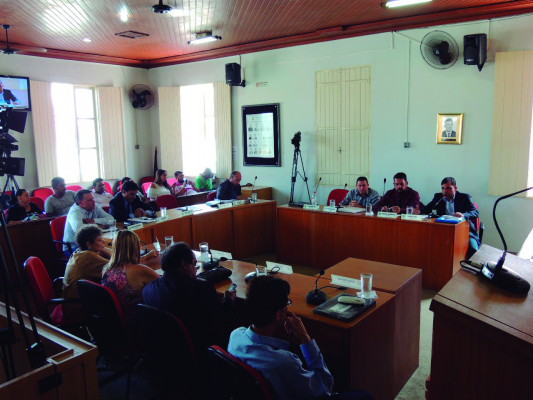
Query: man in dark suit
x=448, y=133
x=452, y=202
x=126, y=204
x=6, y=97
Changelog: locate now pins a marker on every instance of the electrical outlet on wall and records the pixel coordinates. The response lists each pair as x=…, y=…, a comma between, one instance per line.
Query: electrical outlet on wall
x=406, y=145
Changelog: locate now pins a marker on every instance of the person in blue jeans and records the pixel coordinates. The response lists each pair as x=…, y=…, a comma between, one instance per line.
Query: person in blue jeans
x=267, y=303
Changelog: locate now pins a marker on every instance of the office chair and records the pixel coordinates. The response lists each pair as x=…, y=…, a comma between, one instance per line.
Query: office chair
x=75, y=188
x=171, y=181
x=57, y=227
x=105, y=208
x=145, y=187
x=38, y=201
x=338, y=195
x=234, y=379
x=169, y=352
x=108, y=187
x=106, y=325
x=43, y=193
x=48, y=303
x=166, y=200
x=480, y=226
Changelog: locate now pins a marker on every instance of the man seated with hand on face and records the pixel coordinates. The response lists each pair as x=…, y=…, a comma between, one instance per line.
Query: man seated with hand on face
x=361, y=195
x=452, y=202
x=398, y=199
x=126, y=204
x=260, y=346
x=182, y=186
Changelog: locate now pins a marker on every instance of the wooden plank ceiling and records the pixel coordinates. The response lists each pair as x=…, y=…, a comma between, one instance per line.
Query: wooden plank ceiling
x=245, y=25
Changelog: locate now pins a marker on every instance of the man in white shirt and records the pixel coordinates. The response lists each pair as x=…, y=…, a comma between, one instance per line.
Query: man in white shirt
x=101, y=197
x=84, y=211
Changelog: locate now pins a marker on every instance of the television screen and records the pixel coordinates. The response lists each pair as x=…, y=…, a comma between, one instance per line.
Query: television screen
x=15, y=92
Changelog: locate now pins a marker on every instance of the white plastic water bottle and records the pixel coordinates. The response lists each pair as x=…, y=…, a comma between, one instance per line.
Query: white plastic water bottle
x=313, y=199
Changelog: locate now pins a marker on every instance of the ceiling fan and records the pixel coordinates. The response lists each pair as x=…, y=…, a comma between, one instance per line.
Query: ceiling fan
x=22, y=50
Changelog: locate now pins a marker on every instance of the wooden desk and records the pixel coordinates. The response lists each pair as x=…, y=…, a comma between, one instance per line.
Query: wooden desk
x=263, y=192
x=243, y=230
x=193, y=198
x=482, y=337
x=406, y=285
x=320, y=240
x=359, y=353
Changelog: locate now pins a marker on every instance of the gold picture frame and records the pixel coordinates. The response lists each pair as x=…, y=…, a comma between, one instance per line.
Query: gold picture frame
x=449, y=128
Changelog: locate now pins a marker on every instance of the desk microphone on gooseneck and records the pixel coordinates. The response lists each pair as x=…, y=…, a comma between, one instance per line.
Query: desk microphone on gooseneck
x=434, y=214
x=316, y=297
x=252, y=192
x=384, y=182
x=212, y=263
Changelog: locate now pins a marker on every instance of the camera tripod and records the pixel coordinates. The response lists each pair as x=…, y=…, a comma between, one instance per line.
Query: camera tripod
x=298, y=156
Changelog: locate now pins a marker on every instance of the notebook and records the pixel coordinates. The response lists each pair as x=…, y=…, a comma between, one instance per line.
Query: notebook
x=343, y=312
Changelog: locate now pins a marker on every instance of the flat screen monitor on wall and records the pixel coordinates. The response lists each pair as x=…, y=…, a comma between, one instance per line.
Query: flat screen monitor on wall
x=15, y=92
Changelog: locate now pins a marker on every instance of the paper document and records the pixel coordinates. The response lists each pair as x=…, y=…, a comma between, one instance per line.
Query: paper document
x=284, y=269
x=218, y=254
x=351, y=210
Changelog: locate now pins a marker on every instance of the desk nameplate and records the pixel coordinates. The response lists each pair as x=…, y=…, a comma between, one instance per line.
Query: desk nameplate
x=384, y=214
x=224, y=205
x=413, y=217
x=329, y=209
x=134, y=227
x=312, y=207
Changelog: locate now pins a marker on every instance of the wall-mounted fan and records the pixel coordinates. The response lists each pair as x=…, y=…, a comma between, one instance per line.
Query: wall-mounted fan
x=439, y=49
x=21, y=49
x=141, y=97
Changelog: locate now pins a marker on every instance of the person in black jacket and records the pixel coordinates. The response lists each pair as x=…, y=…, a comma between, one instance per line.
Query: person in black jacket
x=194, y=301
x=22, y=207
x=230, y=189
x=452, y=202
x=126, y=204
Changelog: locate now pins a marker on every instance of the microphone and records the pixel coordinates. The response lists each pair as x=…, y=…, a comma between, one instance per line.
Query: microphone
x=346, y=184
x=498, y=273
x=213, y=263
x=252, y=192
x=318, y=184
x=384, y=182
x=316, y=297
x=431, y=215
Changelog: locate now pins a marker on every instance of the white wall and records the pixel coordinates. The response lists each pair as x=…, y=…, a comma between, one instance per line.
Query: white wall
x=139, y=162
x=407, y=95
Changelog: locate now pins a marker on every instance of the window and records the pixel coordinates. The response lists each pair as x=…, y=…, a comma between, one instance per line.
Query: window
x=197, y=108
x=76, y=130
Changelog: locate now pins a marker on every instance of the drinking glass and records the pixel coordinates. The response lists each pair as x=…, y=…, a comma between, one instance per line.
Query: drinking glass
x=204, y=252
x=369, y=210
x=366, y=284
x=254, y=197
x=260, y=270
x=332, y=203
x=112, y=226
x=409, y=210
x=168, y=241
x=163, y=211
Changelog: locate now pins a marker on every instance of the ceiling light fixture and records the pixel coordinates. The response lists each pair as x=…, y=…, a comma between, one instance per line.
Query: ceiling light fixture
x=124, y=14
x=204, y=37
x=401, y=3
x=161, y=8
x=87, y=40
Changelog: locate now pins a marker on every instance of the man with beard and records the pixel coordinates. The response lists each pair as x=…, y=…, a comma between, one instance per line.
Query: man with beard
x=398, y=199
x=182, y=185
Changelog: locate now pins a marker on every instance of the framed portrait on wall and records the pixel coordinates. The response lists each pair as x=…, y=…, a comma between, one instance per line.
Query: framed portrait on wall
x=260, y=131
x=449, y=128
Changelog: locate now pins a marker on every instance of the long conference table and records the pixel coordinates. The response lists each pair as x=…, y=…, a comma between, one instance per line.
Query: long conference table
x=321, y=239
x=365, y=353
x=243, y=230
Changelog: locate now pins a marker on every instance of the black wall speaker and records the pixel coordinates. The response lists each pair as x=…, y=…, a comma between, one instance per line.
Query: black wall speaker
x=233, y=74
x=475, y=49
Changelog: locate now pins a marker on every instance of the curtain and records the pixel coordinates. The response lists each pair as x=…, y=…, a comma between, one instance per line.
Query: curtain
x=170, y=129
x=223, y=129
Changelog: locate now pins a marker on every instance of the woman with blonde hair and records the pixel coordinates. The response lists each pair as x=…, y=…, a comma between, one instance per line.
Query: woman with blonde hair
x=160, y=186
x=124, y=274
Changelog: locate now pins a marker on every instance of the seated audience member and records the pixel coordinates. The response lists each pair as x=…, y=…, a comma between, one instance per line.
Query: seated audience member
x=182, y=186
x=204, y=181
x=452, y=202
x=22, y=207
x=126, y=204
x=124, y=274
x=194, y=301
x=85, y=211
x=230, y=188
x=139, y=193
x=85, y=263
x=267, y=302
x=59, y=203
x=397, y=199
x=361, y=195
x=160, y=186
x=101, y=197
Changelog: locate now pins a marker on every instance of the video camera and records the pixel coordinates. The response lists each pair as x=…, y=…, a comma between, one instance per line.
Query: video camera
x=16, y=121
x=297, y=139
